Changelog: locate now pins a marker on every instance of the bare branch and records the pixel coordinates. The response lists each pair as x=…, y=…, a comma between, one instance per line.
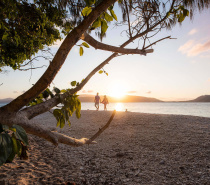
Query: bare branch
x=129, y=25
x=102, y=129
x=98, y=45
x=32, y=127
x=169, y=37
x=32, y=68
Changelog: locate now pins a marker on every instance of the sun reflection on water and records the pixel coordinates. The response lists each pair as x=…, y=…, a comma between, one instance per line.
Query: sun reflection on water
x=119, y=107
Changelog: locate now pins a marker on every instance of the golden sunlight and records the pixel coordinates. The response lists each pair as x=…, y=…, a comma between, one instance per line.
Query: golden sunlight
x=117, y=90
x=119, y=107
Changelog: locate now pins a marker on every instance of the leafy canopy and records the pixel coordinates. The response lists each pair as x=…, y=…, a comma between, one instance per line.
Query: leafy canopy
x=25, y=27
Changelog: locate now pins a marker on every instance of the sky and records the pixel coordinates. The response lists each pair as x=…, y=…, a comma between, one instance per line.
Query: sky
x=178, y=69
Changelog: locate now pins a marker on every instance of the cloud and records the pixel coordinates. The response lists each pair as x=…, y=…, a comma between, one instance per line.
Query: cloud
x=15, y=92
x=149, y=92
x=131, y=92
x=209, y=80
x=192, y=32
x=205, y=56
x=186, y=47
x=191, y=48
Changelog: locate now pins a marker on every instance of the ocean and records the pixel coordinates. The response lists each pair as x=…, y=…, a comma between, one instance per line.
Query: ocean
x=184, y=108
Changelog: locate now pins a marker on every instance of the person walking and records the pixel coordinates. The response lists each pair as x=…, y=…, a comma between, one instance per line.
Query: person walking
x=105, y=102
x=97, y=100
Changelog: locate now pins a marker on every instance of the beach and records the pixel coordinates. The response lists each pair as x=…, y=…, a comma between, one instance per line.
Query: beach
x=137, y=148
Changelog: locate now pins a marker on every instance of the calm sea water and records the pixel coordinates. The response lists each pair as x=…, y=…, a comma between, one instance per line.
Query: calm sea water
x=194, y=109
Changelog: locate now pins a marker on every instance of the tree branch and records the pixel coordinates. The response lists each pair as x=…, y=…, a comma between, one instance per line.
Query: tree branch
x=45, y=106
x=169, y=37
x=98, y=45
x=100, y=131
x=32, y=68
x=58, y=60
x=32, y=127
x=129, y=25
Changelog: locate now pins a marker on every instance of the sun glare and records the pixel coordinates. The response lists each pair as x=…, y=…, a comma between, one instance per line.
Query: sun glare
x=119, y=107
x=117, y=90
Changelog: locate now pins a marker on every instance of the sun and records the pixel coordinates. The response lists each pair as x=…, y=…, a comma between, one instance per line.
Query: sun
x=117, y=90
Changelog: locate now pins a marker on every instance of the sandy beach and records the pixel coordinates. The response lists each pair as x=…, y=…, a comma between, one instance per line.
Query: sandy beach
x=137, y=148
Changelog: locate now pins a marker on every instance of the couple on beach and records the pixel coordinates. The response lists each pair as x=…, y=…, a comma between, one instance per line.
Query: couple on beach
x=98, y=99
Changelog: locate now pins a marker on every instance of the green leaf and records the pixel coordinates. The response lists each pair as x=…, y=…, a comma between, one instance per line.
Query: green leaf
x=111, y=7
x=185, y=12
x=21, y=134
x=97, y=23
x=13, y=129
x=85, y=44
x=78, y=115
x=104, y=26
x=15, y=144
x=57, y=113
x=86, y=11
x=101, y=71
x=57, y=91
x=168, y=14
x=5, y=146
x=58, y=123
x=46, y=94
x=108, y=17
x=63, y=91
x=62, y=122
x=15, y=149
x=181, y=18
x=69, y=123
x=73, y=83
x=81, y=51
x=113, y=14
x=19, y=146
x=89, y=2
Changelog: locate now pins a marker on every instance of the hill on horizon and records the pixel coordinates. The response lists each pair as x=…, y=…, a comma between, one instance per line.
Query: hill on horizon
x=6, y=100
x=125, y=99
x=203, y=98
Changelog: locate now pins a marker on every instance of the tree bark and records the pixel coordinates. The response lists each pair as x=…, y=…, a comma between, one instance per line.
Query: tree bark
x=58, y=60
x=98, y=45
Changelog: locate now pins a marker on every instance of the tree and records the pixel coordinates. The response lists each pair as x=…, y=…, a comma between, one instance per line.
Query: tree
x=28, y=32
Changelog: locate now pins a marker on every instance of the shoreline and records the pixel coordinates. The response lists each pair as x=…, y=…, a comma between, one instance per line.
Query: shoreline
x=137, y=148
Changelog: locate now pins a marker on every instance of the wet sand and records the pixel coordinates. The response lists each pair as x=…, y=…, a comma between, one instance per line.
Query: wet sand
x=137, y=148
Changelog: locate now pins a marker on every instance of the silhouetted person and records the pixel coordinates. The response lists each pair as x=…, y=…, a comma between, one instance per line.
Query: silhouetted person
x=105, y=102
x=97, y=100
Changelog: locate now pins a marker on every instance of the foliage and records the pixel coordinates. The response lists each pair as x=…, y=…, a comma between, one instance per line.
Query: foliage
x=70, y=104
x=13, y=141
x=25, y=28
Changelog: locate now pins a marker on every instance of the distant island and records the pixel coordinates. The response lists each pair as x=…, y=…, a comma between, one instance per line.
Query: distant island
x=204, y=98
x=6, y=100
x=125, y=99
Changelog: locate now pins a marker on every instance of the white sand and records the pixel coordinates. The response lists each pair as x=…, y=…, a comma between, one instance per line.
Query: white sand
x=136, y=149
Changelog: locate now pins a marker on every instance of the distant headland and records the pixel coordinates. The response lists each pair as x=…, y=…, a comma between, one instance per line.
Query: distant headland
x=125, y=99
